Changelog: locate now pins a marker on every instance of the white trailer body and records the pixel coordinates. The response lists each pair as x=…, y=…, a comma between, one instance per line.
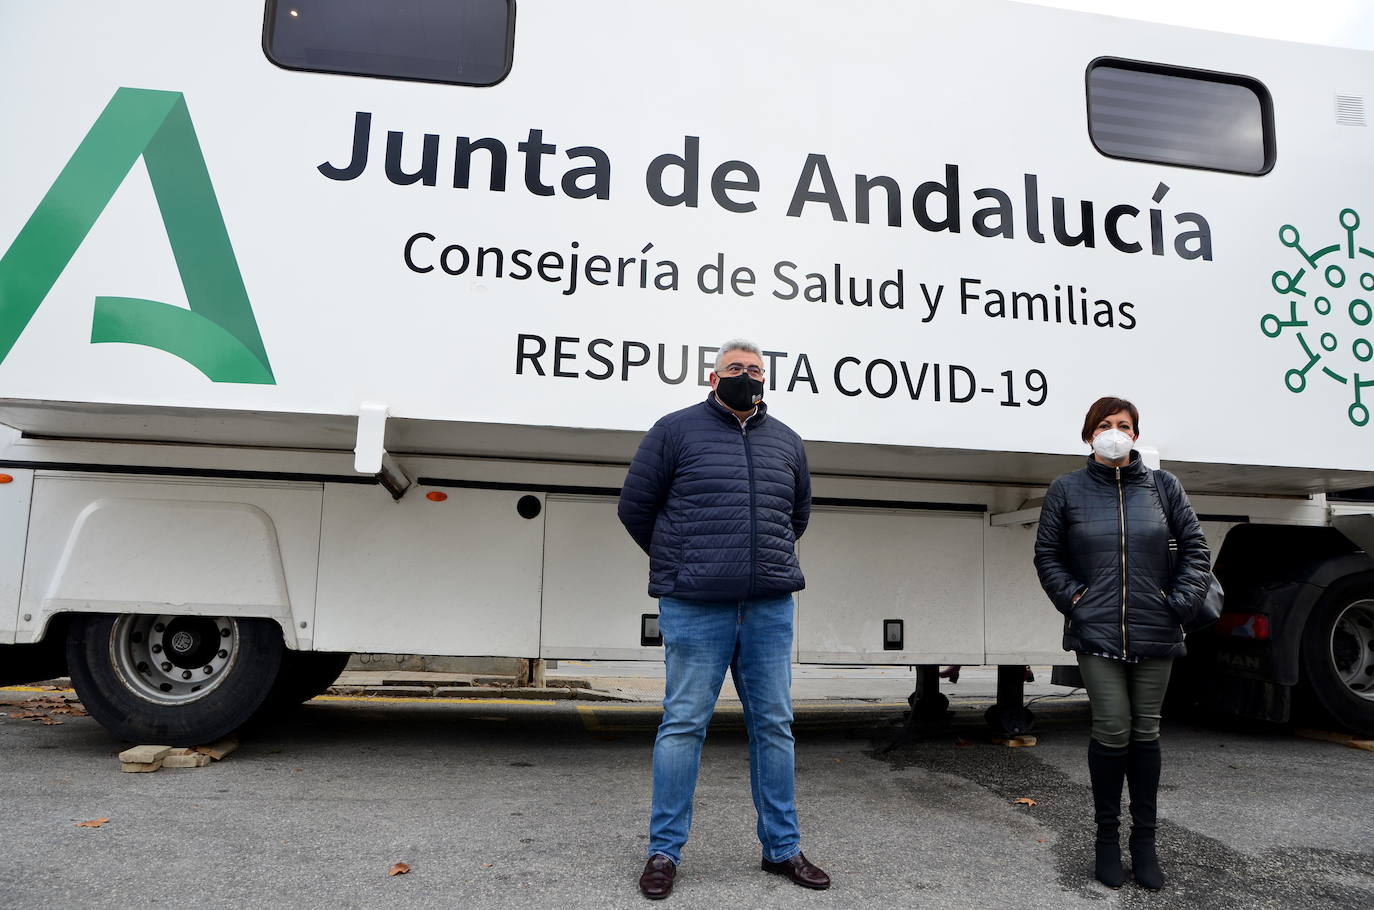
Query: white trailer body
x=365, y=358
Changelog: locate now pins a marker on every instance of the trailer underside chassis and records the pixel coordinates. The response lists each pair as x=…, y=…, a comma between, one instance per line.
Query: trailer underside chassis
x=1007, y=718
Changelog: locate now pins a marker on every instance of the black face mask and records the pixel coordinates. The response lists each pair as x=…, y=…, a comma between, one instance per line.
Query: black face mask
x=739, y=393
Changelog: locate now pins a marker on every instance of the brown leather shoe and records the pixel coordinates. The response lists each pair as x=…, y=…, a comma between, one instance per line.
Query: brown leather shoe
x=801, y=871
x=657, y=881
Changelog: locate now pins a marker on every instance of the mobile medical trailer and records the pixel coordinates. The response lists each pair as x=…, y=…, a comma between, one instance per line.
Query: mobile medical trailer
x=330, y=327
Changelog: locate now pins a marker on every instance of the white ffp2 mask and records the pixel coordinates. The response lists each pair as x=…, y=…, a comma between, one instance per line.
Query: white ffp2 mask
x=1113, y=444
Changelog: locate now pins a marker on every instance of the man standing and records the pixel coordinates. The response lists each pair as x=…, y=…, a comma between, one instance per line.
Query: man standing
x=717, y=495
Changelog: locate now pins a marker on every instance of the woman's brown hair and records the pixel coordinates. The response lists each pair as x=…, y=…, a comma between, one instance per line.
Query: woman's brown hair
x=1105, y=407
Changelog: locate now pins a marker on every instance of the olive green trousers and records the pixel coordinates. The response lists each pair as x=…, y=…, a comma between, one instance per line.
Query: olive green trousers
x=1126, y=698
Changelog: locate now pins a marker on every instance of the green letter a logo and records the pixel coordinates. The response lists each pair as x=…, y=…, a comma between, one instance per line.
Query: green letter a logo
x=218, y=334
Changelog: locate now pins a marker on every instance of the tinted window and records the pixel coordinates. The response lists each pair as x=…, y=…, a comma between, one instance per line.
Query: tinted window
x=1147, y=112
x=461, y=41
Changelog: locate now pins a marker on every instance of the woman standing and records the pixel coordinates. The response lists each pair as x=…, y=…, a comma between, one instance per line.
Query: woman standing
x=1102, y=554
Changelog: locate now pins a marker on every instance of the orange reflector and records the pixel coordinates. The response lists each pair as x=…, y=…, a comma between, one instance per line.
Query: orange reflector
x=436, y=496
x=6, y=478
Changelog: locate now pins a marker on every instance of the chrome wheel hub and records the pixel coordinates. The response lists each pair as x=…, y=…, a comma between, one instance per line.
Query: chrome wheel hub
x=171, y=660
x=1352, y=648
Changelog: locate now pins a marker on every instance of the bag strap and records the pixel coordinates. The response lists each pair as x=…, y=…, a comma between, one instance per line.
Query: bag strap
x=1157, y=485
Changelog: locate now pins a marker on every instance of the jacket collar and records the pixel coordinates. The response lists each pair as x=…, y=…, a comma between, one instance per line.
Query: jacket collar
x=1133, y=471
x=715, y=407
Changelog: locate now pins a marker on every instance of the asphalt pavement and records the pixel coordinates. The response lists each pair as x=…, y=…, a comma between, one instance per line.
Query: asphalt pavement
x=500, y=803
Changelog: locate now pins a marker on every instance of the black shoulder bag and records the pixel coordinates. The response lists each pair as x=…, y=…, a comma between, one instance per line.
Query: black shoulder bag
x=1209, y=609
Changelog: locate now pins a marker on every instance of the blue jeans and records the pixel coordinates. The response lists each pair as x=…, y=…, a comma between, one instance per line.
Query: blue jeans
x=754, y=639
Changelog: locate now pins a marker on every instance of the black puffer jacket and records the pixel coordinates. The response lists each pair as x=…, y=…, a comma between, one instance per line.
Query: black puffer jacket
x=719, y=507
x=1103, y=532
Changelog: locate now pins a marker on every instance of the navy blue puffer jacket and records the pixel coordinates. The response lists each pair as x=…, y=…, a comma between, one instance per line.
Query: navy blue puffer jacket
x=717, y=507
x=1103, y=532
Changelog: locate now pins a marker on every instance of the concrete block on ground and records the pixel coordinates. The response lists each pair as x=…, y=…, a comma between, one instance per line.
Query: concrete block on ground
x=144, y=755
x=140, y=767
x=217, y=750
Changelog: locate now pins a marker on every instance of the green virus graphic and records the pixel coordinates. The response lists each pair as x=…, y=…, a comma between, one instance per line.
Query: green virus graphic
x=1330, y=316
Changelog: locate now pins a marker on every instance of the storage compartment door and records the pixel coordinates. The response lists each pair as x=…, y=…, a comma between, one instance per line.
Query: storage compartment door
x=864, y=566
x=595, y=584
x=456, y=577
x=1023, y=626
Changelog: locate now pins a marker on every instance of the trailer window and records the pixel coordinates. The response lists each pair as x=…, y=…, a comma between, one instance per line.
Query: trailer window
x=1170, y=115
x=464, y=42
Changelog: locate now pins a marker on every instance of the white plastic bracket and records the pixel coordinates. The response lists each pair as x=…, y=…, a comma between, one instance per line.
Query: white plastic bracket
x=369, y=450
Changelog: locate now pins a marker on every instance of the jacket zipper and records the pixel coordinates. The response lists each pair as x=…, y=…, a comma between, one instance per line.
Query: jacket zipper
x=1121, y=506
x=753, y=519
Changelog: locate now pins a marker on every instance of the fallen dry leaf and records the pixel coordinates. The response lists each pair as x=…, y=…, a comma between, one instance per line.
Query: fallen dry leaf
x=93, y=823
x=48, y=722
x=398, y=869
x=1024, y=801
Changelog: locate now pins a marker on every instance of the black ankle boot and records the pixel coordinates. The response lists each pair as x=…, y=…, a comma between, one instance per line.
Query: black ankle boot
x=1107, y=769
x=1142, y=771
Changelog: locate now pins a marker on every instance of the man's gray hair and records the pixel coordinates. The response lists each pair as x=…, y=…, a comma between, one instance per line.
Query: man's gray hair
x=737, y=344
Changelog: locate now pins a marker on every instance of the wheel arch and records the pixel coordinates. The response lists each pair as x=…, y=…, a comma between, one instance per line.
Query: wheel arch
x=164, y=552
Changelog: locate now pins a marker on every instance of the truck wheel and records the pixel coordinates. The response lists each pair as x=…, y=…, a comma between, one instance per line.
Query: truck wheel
x=173, y=680
x=303, y=675
x=1338, y=656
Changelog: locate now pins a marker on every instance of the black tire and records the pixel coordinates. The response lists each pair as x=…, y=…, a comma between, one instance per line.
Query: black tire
x=303, y=675
x=1337, y=669
x=1010, y=722
x=173, y=680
